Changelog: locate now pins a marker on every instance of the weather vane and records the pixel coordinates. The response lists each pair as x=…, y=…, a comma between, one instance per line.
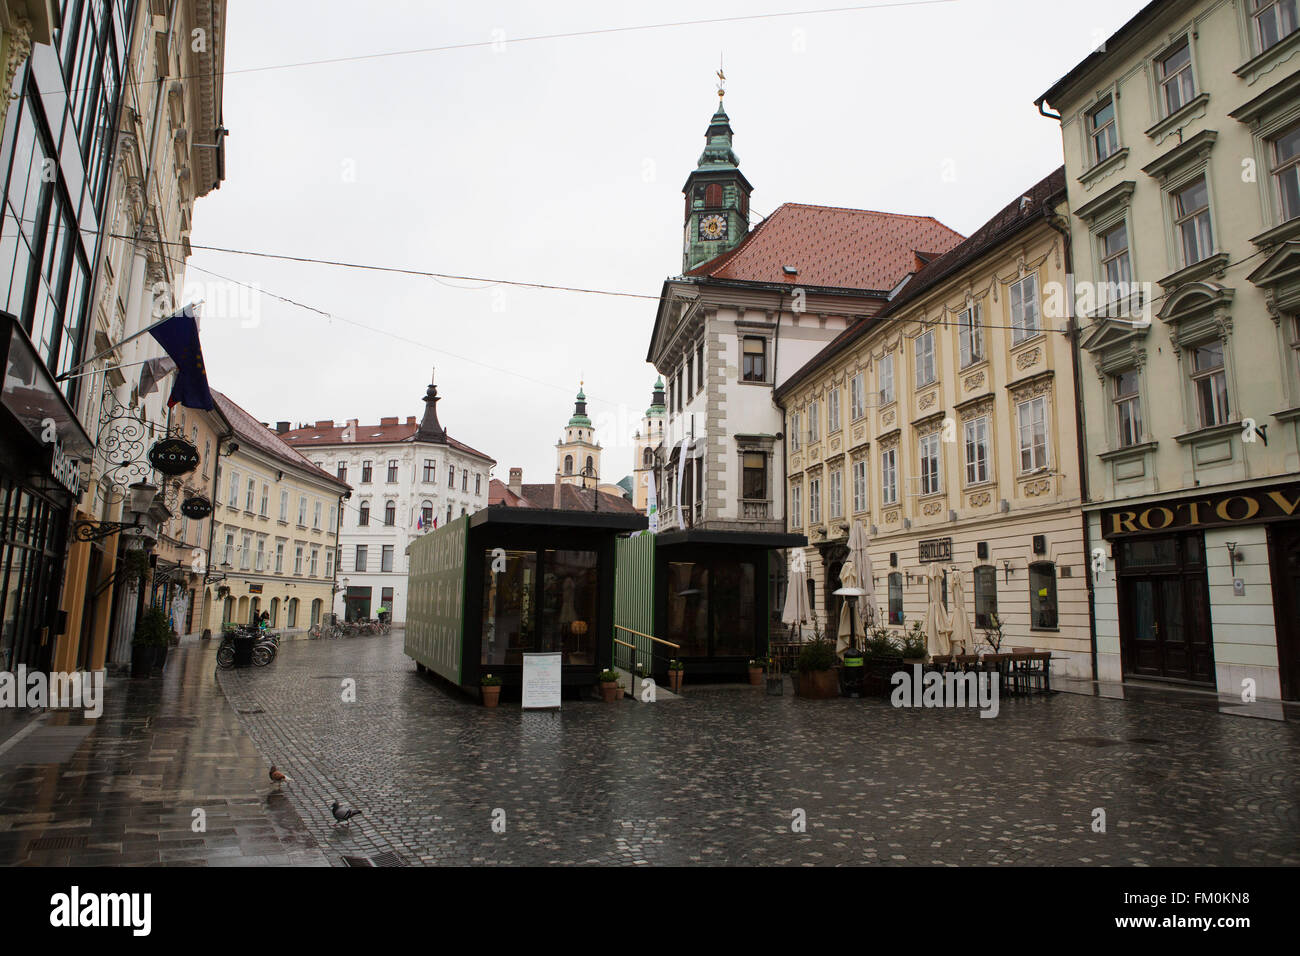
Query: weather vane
x=722, y=79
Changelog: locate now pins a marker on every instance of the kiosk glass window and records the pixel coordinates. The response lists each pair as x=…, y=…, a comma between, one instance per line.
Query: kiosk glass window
x=509, y=594
x=569, y=592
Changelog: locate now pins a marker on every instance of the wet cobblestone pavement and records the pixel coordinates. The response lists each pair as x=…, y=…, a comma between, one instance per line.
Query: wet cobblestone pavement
x=122, y=789
x=716, y=776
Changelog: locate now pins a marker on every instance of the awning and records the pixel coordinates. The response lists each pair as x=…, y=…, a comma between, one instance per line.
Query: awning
x=30, y=395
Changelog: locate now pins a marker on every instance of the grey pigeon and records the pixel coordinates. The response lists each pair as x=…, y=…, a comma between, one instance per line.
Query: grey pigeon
x=343, y=816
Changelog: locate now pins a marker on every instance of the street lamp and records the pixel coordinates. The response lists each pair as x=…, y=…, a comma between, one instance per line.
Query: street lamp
x=140, y=505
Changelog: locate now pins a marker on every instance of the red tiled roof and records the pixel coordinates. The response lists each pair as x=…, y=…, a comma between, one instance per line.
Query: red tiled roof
x=832, y=247
x=1022, y=212
x=247, y=428
x=572, y=498
x=310, y=436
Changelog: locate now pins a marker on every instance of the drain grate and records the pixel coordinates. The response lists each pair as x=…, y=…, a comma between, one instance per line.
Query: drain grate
x=251, y=710
x=58, y=843
x=387, y=858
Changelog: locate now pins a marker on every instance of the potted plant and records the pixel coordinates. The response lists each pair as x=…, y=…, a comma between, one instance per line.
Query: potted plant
x=756, y=670
x=609, y=689
x=149, y=644
x=817, y=679
x=993, y=635
x=675, y=672
x=489, y=687
x=914, y=645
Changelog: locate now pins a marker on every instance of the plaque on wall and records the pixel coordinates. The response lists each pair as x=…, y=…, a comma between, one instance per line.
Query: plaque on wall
x=935, y=549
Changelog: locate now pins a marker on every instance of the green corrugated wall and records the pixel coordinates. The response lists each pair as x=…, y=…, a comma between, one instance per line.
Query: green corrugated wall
x=634, y=584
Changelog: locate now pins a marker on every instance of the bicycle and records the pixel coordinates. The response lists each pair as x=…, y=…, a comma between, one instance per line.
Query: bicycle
x=266, y=646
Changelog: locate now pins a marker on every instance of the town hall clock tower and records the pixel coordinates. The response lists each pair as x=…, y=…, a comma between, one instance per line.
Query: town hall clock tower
x=717, y=196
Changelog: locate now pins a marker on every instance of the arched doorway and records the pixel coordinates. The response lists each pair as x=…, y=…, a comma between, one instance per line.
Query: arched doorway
x=275, y=612
x=316, y=607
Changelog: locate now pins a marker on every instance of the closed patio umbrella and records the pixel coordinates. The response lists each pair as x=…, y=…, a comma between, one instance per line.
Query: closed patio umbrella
x=848, y=580
x=962, y=634
x=858, y=541
x=796, y=611
x=937, y=625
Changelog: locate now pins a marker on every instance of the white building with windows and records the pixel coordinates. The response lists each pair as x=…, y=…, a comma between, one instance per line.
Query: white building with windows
x=407, y=477
x=1182, y=155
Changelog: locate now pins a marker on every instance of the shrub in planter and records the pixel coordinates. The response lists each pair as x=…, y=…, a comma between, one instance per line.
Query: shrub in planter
x=817, y=679
x=756, y=670
x=149, y=643
x=489, y=687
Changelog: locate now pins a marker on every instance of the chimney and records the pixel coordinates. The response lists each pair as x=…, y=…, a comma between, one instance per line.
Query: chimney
x=388, y=421
x=410, y=419
x=326, y=423
x=555, y=503
x=516, y=485
x=281, y=427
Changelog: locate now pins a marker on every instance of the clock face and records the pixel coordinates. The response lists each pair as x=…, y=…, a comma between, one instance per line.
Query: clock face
x=713, y=227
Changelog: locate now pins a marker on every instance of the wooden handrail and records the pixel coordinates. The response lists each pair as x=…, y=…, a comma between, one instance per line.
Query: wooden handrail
x=648, y=637
x=624, y=643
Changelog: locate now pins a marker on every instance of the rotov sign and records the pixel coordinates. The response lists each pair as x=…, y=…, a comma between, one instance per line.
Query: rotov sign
x=1234, y=507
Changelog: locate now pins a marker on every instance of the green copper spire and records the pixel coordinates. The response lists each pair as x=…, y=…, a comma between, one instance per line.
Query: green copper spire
x=657, y=407
x=580, y=418
x=718, y=153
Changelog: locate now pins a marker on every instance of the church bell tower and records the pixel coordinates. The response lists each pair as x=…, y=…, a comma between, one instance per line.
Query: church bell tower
x=717, y=195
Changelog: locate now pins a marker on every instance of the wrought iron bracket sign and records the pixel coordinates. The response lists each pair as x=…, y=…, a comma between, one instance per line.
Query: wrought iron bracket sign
x=196, y=508
x=173, y=456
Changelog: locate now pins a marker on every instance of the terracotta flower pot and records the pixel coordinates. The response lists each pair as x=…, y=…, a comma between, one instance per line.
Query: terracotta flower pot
x=610, y=691
x=756, y=675
x=491, y=695
x=675, y=681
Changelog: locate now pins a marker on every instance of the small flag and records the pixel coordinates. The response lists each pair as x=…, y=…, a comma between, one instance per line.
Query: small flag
x=651, y=506
x=153, y=372
x=419, y=523
x=179, y=337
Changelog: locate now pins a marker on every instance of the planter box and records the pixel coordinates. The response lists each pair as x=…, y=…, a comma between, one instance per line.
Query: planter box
x=879, y=670
x=819, y=685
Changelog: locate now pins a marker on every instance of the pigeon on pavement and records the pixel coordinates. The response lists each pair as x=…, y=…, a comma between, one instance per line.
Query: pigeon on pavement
x=343, y=816
x=277, y=777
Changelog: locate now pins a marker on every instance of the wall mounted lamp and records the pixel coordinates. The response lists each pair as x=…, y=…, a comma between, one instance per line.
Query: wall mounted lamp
x=1233, y=557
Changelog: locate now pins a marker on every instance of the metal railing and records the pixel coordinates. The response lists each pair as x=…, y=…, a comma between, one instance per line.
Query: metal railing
x=644, y=651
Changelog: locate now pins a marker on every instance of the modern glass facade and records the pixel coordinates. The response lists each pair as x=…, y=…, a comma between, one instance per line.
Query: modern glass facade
x=55, y=158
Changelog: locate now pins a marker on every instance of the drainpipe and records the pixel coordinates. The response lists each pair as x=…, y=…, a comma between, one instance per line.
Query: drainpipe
x=776, y=351
x=1062, y=226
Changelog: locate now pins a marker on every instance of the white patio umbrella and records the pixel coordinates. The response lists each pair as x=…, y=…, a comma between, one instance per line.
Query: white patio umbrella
x=858, y=541
x=796, y=611
x=962, y=633
x=937, y=625
x=848, y=580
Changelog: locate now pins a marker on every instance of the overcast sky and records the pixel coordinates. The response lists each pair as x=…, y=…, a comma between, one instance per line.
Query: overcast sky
x=561, y=161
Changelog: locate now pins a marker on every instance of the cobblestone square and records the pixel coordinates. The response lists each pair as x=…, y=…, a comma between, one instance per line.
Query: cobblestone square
x=719, y=776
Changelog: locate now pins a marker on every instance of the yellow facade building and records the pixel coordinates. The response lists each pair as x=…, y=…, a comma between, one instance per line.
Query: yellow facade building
x=274, y=533
x=946, y=424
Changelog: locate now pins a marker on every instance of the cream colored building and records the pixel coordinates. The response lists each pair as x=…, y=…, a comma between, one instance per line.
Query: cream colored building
x=164, y=151
x=1182, y=151
x=275, y=531
x=946, y=425
x=22, y=23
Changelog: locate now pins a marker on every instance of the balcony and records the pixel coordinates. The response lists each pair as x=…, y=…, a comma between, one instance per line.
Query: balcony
x=755, y=509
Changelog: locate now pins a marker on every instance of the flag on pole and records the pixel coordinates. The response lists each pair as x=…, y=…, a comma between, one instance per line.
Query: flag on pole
x=419, y=523
x=179, y=337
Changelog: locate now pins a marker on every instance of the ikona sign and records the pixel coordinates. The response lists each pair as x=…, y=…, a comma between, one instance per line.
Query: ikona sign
x=174, y=456
x=1249, y=506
